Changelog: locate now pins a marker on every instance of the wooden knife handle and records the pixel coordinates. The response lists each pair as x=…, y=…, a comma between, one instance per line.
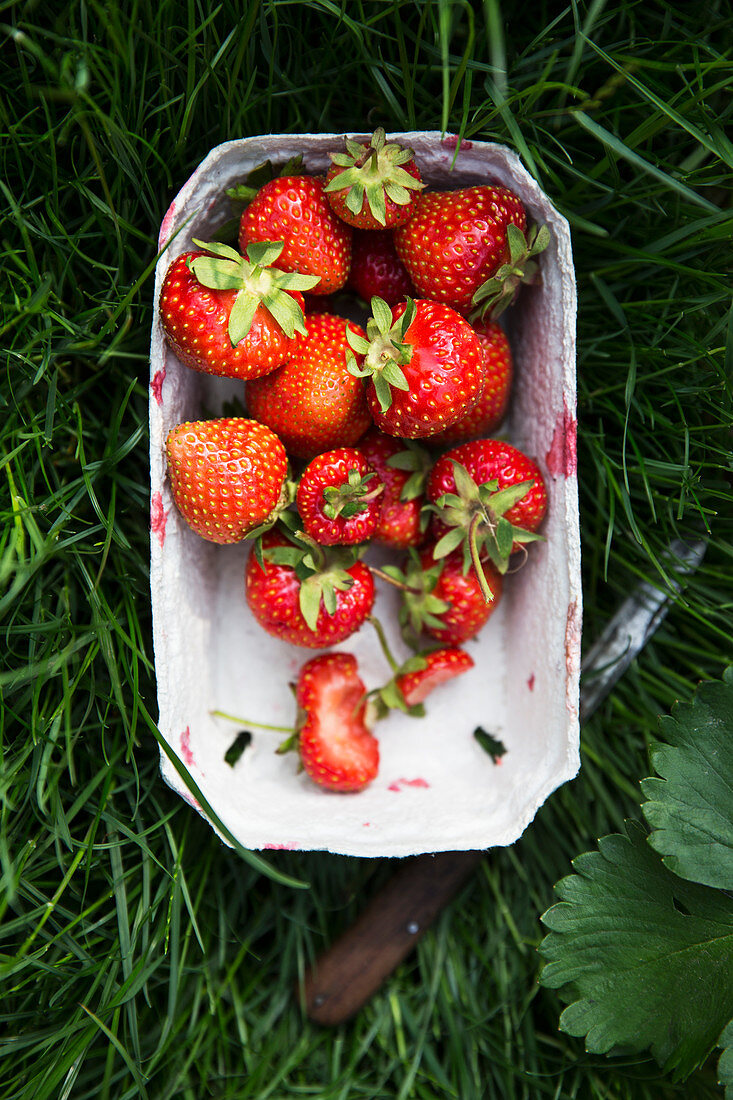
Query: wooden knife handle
x=354, y=967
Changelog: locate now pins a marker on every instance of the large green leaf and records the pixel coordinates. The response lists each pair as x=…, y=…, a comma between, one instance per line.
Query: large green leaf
x=690, y=809
x=725, y=1064
x=647, y=957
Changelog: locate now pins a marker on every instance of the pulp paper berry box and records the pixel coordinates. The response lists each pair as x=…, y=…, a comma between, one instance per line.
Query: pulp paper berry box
x=437, y=789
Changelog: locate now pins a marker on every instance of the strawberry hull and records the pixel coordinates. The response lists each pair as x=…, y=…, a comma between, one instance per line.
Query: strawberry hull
x=436, y=789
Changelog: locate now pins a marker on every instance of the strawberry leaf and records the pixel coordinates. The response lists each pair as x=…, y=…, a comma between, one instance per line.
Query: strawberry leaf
x=647, y=957
x=690, y=808
x=241, y=316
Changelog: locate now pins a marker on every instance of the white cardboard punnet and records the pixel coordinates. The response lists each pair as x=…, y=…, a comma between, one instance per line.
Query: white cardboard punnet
x=437, y=790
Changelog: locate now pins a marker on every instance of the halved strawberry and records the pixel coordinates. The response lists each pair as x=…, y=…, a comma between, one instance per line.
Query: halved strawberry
x=313, y=402
x=373, y=185
x=302, y=596
x=336, y=747
x=338, y=497
x=294, y=210
x=440, y=666
x=228, y=476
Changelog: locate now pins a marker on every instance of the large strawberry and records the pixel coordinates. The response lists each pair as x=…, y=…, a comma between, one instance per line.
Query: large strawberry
x=336, y=747
x=232, y=316
x=488, y=411
x=442, y=599
x=373, y=185
x=489, y=498
x=228, y=476
x=294, y=210
x=338, y=498
x=376, y=269
x=303, y=597
x=313, y=402
x=470, y=248
x=424, y=362
x=402, y=470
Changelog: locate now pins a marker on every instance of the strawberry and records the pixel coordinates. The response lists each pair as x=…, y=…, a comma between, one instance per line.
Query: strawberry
x=424, y=362
x=377, y=270
x=227, y=476
x=314, y=402
x=488, y=411
x=373, y=186
x=230, y=316
x=439, y=666
x=294, y=210
x=469, y=248
x=336, y=747
x=338, y=498
x=297, y=594
x=402, y=469
x=443, y=600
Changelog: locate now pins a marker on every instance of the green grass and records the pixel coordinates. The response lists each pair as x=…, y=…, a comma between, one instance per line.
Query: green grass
x=138, y=956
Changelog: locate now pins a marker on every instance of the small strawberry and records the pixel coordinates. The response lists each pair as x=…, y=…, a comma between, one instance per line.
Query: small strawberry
x=377, y=270
x=402, y=469
x=314, y=402
x=373, y=186
x=440, y=665
x=337, y=749
x=294, y=210
x=230, y=316
x=227, y=476
x=425, y=365
x=443, y=600
x=470, y=248
x=490, y=407
x=299, y=595
x=487, y=496
x=338, y=498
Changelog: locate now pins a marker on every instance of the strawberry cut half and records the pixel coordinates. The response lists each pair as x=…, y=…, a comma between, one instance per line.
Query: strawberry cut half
x=337, y=749
x=441, y=665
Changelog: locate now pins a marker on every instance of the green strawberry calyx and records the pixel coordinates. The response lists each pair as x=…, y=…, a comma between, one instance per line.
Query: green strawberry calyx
x=384, y=351
x=389, y=696
x=498, y=292
x=371, y=172
x=476, y=519
x=416, y=461
x=352, y=496
x=257, y=282
x=419, y=606
x=321, y=575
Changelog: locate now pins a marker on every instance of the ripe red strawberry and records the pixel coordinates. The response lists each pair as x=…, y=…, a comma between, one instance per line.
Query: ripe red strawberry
x=458, y=247
x=377, y=270
x=490, y=407
x=402, y=471
x=336, y=747
x=338, y=498
x=440, y=666
x=313, y=402
x=230, y=316
x=425, y=365
x=227, y=476
x=303, y=599
x=444, y=600
x=373, y=185
x=293, y=209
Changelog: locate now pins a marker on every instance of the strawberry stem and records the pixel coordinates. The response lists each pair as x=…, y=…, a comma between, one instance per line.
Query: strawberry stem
x=476, y=558
x=391, y=580
x=246, y=722
x=384, y=644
